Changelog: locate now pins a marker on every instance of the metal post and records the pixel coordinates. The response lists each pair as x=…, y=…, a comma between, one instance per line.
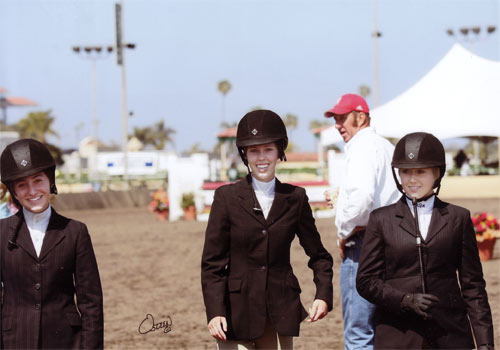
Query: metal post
x=498, y=140
x=92, y=174
x=3, y=106
x=121, y=61
x=376, y=35
x=223, y=109
x=124, y=125
x=223, y=161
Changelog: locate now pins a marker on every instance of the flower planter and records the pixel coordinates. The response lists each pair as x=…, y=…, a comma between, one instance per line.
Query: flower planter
x=162, y=215
x=486, y=248
x=190, y=213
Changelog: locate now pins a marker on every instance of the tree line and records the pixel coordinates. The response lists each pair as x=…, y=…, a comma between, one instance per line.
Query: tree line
x=40, y=125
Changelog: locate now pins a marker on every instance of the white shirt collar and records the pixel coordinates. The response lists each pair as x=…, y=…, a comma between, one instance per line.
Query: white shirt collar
x=37, y=219
x=424, y=207
x=264, y=187
x=359, y=134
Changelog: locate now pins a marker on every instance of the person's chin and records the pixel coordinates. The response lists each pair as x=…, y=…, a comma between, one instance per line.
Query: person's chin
x=263, y=177
x=415, y=195
x=36, y=208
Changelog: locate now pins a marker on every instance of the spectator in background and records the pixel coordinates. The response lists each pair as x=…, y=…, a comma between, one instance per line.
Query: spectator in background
x=8, y=207
x=462, y=163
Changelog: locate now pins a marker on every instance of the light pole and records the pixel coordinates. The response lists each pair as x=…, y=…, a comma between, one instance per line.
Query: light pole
x=94, y=53
x=78, y=127
x=120, y=60
x=224, y=86
x=376, y=34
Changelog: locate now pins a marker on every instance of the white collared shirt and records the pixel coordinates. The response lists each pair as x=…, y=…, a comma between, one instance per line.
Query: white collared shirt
x=368, y=181
x=424, y=211
x=264, y=191
x=37, y=225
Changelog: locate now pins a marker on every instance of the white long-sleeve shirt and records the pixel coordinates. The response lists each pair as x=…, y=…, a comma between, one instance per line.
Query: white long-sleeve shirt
x=264, y=191
x=368, y=181
x=37, y=225
x=424, y=211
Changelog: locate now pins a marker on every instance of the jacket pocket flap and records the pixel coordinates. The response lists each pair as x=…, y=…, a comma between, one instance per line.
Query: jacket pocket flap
x=234, y=285
x=74, y=319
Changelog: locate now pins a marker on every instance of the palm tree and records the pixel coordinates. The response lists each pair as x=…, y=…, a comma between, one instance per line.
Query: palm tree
x=291, y=121
x=227, y=125
x=37, y=125
x=163, y=135
x=315, y=124
x=224, y=86
x=365, y=91
x=157, y=135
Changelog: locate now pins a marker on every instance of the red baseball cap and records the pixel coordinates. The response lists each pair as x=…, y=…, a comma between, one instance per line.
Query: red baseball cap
x=348, y=103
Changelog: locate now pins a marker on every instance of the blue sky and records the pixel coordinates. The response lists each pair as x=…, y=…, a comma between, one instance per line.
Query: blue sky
x=291, y=56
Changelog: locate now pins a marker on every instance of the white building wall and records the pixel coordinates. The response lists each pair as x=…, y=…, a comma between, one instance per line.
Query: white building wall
x=186, y=175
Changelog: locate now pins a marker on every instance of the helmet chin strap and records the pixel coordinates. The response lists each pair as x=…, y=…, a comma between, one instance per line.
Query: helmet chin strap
x=423, y=199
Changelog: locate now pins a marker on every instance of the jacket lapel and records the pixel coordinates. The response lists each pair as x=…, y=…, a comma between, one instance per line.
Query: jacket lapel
x=24, y=238
x=54, y=234
x=247, y=201
x=281, y=203
x=438, y=219
x=405, y=217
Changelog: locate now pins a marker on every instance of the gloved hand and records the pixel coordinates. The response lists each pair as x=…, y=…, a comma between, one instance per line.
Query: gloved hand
x=486, y=347
x=419, y=303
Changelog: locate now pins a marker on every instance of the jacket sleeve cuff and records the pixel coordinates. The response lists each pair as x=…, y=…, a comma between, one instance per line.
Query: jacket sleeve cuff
x=216, y=309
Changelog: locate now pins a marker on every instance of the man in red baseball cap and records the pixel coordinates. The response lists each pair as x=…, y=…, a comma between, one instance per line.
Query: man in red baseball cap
x=368, y=185
x=351, y=114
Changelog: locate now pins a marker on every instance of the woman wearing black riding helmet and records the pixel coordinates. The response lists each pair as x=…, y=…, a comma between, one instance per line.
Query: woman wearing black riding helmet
x=46, y=261
x=419, y=262
x=251, y=295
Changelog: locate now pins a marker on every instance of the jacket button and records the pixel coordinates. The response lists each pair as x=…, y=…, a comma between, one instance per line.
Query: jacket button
x=37, y=286
x=263, y=268
x=36, y=267
x=37, y=306
x=264, y=232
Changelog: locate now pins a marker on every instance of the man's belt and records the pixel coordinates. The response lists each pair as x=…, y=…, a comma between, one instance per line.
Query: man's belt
x=358, y=232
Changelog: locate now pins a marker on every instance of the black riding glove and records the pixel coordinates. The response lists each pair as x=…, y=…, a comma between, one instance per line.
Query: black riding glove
x=486, y=347
x=419, y=303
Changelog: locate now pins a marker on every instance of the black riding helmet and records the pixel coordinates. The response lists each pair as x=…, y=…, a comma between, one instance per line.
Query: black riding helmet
x=419, y=150
x=23, y=158
x=260, y=127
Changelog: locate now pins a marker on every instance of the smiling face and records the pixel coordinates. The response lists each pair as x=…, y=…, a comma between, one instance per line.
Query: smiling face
x=33, y=192
x=418, y=182
x=262, y=161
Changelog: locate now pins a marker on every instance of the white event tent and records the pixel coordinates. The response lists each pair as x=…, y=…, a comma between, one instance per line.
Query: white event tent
x=458, y=97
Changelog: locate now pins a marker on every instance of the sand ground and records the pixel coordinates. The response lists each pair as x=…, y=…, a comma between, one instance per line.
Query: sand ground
x=153, y=267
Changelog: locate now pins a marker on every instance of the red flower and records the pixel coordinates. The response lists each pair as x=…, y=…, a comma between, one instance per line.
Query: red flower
x=483, y=222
